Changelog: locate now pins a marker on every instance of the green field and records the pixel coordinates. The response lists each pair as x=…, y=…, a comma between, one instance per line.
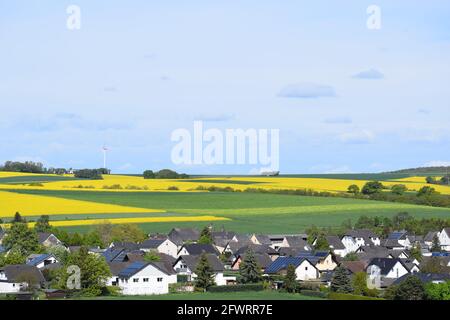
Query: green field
x=260, y=295
x=249, y=212
x=34, y=179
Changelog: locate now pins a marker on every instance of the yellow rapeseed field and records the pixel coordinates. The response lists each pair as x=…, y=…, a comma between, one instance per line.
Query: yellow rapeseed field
x=87, y=222
x=29, y=205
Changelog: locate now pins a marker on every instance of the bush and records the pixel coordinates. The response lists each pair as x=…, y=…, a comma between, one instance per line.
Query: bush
x=173, y=188
x=348, y=296
x=237, y=288
x=314, y=293
x=93, y=174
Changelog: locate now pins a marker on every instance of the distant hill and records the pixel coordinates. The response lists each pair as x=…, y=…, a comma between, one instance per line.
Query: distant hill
x=423, y=171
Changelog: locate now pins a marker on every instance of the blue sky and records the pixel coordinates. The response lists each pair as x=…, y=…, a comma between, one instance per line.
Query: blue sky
x=345, y=98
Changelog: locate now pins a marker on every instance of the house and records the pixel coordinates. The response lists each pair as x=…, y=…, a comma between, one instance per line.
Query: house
x=263, y=261
x=129, y=246
x=337, y=246
x=353, y=266
x=179, y=236
x=260, y=239
x=426, y=278
x=381, y=270
x=186, y=266
x=353, y=239
x=283, y=241
x=41, y=260
x=296, y=242
x=444, y=239
x=165, y=246
x=322, y=260
x=142, y=278
x=256, y=249
x=304, y=269
x=114, y=254
x=16, y=278
x=48, y=240
x=429, y=237
x=398, y=240
x=197, y=249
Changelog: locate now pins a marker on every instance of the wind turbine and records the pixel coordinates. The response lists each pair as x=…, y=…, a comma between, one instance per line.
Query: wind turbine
x=104, y=150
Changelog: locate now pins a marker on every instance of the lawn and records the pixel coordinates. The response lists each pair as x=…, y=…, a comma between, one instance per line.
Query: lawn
x=251, y=295
x=249, y=212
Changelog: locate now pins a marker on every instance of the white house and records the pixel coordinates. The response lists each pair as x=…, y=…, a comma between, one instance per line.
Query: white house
x=380, y=269
x=15, y=278
x=304, y=269
x=142, y=278
x=353, y=239
x=444, y=239
x=165, y=246
x=41, y=260
x=186, y=266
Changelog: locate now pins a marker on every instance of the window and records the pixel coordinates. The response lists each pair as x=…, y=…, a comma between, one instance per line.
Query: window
x=145, y=279
x=135, y=279
x=160, y=279
x=306, y=268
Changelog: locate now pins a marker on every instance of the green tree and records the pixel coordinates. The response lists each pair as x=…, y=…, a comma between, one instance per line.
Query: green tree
x=438, y=291
x=60, y=252
x=436, y=244
x=410, y=289
x=399, y=189
x=372, y=187
x=18, y=218
x=205, y=236
x=205, y=274
x=445, y=180
x=340, y=281
x=249, y=270
x=290, y=280
x=149, y=174
x=321, y=242
x=151, y=256
x=359, y=283
x=427, y=191
x=434, y=265
x=42, y=224
x=128, y=233
x=416, y=252
x=22, y=238
x=352, y=256
x=430, y=180
x=14, y=256
x=94, y=271
x=354, y=189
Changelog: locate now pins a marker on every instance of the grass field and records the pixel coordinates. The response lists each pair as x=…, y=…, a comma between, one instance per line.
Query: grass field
x=248, y=212
x=260, y=295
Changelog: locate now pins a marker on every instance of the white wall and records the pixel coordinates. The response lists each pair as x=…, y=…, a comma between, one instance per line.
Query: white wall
x=141, y=287
x=306, y=271
x=8, y=287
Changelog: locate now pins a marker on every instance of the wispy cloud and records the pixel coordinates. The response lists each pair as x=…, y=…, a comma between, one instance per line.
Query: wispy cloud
x=371, y=74
x=339, y=120
x=437, y=163
x=357, y=137
x=215, y=117
x=306, y=91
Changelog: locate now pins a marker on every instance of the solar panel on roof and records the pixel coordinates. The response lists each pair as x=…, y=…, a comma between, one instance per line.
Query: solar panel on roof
x=132, y=269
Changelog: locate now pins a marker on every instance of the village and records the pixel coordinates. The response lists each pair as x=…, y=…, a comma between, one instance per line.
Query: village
x=177, y=257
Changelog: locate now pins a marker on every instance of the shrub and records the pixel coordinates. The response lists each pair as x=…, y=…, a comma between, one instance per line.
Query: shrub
x=347, y=296
x=173, y=188
x=237, y=288
x=314, y=293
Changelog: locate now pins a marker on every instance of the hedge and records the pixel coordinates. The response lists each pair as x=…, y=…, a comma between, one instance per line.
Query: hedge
x=237, y=288
x=346, y=296
x=314, y=293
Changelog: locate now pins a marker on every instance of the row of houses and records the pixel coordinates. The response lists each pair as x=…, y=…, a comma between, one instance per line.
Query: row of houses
x=384, y=260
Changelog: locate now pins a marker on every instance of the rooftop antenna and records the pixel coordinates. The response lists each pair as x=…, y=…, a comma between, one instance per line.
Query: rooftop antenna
x=104, y=150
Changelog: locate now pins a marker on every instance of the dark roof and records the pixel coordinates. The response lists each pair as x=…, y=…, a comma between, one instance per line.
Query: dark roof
x=425, y=277
x=313, y=257
x=430, y=235
x=282, y=263
x=115, y=254
x=151, y=243
x=135, y=267
x=242, y=237
x=20, y=272
x=354, y=266
x=447, y=231
x=223, y=234
x=392, y=243
x=335, y=242
x=263, y=260
x=290, y=251
x=198, y=249
x=192, y=262
x=366, y=234
x=35, y=260
x=263, y=239
x=181, y=235
x=397, y=235
x=256, y=248
x=117, y=267
x=42, y=236
x=386, y=264
x=296, y=241
x=125, y=245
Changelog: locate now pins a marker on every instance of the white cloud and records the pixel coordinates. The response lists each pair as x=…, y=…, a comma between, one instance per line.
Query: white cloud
x=306, y=91
x=437, y=163
x=371, y=74
x=341, y=169
x=357, y=137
